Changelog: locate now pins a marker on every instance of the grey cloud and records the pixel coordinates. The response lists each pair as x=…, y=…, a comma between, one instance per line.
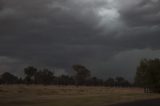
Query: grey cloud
x=60, y=33
x=142, y=13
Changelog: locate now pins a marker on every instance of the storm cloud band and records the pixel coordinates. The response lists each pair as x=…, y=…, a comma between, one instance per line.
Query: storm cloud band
x=59, y=33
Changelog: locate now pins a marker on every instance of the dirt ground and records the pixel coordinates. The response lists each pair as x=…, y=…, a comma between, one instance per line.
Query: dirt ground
x=151, y=102
x=37, y=95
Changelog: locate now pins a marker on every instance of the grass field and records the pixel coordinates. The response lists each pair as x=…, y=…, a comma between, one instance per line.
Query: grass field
x=21, y=95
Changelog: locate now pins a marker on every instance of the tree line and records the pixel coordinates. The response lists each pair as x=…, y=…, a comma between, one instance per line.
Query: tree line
x=81, y=77
x=147, y=76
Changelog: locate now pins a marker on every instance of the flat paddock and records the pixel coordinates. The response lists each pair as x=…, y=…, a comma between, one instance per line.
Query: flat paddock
x=36, y=95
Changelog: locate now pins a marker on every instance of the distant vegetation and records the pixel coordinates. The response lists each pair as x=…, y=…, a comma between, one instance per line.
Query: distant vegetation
x=148, y=75
x=80, y=77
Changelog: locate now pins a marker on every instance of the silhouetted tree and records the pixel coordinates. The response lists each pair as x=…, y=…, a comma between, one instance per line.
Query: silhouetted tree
x=65, y=80
x=121, y=82
x=0, y=80
x=94, y=81
x=30, y=73
x=20, y=81
x=81, y=74
x=44, y=77
x=8, y=78
x=148, y=74
x=110, y=82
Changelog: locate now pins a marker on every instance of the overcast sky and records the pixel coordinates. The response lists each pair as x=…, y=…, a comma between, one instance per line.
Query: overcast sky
x=109, y=37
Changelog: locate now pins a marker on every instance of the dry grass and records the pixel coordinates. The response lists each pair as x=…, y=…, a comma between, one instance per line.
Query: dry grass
x=21, y=95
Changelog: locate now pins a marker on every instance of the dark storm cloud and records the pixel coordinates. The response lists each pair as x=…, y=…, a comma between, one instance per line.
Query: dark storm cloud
x=143, y=13
x=1, y=5
x=142, y=20
x=37, y=33
x=59, y=33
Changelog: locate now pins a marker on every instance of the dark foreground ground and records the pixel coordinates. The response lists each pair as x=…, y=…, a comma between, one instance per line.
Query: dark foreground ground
x=39, y=95
x=152, y=102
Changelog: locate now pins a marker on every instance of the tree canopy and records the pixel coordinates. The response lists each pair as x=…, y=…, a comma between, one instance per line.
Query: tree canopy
x=8, y=78
x=81, y=74
x=148, y=74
